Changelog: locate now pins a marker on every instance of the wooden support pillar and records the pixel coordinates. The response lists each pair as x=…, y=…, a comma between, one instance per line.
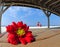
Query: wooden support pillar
x=0, y=23
x=1, y=12
x=48, y=21
x=1, y=9
x=47, y=13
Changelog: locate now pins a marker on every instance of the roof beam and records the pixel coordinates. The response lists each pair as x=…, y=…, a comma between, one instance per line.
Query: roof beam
x=39, y=1
x=47, y=1
x=6, y=9
x=55, y=6
x=0, y=1
x=54, y=3
x=30, y=5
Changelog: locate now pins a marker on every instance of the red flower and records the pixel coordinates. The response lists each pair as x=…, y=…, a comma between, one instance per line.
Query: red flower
x=22, y=40
x=12, y=38
x=19, y=32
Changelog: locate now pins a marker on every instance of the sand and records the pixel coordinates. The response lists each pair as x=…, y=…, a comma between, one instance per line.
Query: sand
x=44, y=38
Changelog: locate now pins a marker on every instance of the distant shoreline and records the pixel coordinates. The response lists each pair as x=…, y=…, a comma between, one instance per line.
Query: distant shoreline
x=3, y=29
x=37, y=26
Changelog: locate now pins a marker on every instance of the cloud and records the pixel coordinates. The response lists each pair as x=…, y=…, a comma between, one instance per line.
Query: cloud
x=13, y=12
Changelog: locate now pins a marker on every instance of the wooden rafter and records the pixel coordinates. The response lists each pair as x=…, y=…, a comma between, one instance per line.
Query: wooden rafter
x=6, y=9
x=47, y=1
x=55, y=6
x=0, y=1
x=39, y=1
x=54, y=3
x=30, y=5
x=35, y=4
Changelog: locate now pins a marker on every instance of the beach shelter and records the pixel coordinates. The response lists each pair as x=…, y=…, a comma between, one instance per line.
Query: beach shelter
x=48, y=6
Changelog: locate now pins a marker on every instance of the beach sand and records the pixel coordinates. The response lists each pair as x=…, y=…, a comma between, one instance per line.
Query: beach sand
x=44, y=38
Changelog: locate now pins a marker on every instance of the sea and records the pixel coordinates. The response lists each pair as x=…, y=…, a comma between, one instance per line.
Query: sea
x=3, y=28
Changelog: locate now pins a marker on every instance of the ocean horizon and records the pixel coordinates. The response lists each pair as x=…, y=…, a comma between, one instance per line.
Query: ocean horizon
x=3, y=29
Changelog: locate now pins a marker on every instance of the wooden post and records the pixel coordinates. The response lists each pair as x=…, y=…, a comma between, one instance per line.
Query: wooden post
x=48, y=21
x=0, y=21
x=2, y=11
x=0, y=17
x=47, y=13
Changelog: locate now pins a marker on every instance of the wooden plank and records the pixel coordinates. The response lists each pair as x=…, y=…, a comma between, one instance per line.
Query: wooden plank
x=47, y=1
x=54, y=3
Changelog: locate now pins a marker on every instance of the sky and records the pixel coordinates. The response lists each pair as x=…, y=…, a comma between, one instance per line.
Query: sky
x=28, y=15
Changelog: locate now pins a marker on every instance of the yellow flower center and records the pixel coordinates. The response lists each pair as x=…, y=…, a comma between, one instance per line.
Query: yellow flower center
x=20, y=32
